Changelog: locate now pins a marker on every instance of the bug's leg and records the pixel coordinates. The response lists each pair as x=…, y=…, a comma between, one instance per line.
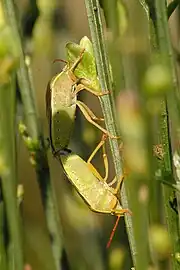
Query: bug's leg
x=78, y=60
x=100, y=144
x=112, y=182
x=106, y=164
x=91, y=114
x=82, y=107
x=74, y=66
x=119, y=182
x=121, y=213
x=82, y=85
x=105, y=160
x=117, y=188
x=113, y=232
x=115, y=178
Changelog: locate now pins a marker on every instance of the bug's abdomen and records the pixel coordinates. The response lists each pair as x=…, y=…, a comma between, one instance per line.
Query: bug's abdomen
x=61, y=127
x=94, y=192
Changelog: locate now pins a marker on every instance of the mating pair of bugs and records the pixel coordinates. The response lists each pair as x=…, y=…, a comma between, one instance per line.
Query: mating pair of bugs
x=61, y=101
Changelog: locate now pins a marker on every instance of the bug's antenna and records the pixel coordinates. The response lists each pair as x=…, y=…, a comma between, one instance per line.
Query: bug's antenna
x=113, y=232
x=60, y=60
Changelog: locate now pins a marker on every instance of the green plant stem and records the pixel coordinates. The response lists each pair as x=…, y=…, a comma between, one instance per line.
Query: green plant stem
x=107, y=104
x=171, y=216
x=3, y=261
x=135, y=62
x=170, y=109
x=9, y=169
x=42, y=169
x=165, y=48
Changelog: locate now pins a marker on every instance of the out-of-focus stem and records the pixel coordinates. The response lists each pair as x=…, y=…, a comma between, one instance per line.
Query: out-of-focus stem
x=32, y=122
x=3, y=260
x=170, y=109
x=9, y=170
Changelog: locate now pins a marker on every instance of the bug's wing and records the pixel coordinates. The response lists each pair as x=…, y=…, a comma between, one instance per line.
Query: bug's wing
x=87, y=44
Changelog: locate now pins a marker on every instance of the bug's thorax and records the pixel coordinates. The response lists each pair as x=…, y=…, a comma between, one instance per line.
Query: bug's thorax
x=62, y=91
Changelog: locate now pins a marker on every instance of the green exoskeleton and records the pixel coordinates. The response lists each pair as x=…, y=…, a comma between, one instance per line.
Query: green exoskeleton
x=61, y=101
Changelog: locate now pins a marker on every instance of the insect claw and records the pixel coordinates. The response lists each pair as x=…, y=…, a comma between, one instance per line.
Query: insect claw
x=114, y=137
x=128, y=212
x=107, y=92
x=103, y=93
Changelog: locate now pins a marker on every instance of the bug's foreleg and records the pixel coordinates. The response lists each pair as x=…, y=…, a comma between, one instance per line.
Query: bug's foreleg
x=74, y=66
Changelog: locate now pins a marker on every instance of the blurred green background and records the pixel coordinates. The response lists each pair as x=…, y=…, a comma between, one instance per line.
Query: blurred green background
x=144, y=64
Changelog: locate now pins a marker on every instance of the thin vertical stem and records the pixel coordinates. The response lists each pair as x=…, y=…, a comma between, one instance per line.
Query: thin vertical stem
x=9, y=169
x=170, y=110
x=107, y=103
x=3, y=259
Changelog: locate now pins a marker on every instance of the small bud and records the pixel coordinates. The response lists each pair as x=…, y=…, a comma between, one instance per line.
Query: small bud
x=157, y=80
x=160, y=241
x=22, y=128
x=31, y=144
